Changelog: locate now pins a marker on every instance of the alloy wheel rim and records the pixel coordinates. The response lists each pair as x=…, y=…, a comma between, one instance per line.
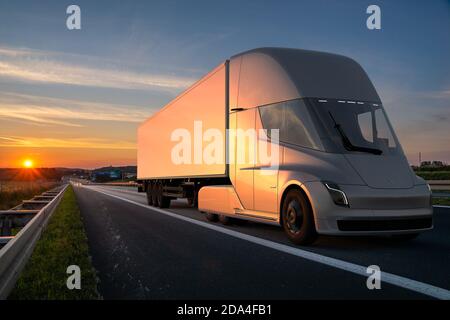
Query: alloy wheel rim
x=294, y=217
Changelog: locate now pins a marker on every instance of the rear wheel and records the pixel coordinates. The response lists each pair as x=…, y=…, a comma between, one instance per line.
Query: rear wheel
x=155, y=199
x=211, y=217
x=149, y=195
x=163, y=201
x=297, y=218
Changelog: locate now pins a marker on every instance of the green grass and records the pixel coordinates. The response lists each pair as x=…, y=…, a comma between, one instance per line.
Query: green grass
x=434, y=175
x=441, y=201
x=63, y=243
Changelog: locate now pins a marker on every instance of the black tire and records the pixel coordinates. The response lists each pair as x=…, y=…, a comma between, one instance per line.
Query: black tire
x=190, y=202
x=298, y=219
x=149, y=195
x=225, y=220
x=155, y=202
x=163, y=202
x=405, y=237
x=211, y=217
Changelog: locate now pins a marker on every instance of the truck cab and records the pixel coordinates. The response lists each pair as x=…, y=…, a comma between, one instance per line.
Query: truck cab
x=307, y=145
x=339, y=169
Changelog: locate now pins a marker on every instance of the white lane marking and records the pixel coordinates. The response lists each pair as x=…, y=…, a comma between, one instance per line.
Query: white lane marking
x=390, y=278
x=116, y=189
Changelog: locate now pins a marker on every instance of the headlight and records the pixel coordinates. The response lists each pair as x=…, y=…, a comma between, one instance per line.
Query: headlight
x=337, y=194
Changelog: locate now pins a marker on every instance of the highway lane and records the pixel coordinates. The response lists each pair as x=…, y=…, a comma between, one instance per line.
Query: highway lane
x=141, y=253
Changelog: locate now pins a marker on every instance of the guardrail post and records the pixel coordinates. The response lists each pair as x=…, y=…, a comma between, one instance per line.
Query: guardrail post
x=5, y=226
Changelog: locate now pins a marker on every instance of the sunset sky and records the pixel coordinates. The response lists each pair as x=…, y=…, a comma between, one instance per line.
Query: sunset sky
x=75, y=98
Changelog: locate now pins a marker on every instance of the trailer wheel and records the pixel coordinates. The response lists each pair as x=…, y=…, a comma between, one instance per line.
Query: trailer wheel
x=155, y=195
x=163, y=202
x=297, y=218
x=211, y=217
x=149, y=195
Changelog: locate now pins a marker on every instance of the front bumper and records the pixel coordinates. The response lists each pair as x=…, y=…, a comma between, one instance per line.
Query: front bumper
x=371, y=211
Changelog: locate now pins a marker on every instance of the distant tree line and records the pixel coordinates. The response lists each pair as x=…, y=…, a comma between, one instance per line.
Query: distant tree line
x=48, y=174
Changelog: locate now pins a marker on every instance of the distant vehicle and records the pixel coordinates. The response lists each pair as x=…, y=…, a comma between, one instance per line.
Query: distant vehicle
x=340, y=169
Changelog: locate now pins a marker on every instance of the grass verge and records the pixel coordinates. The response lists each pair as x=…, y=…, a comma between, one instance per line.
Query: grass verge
x=63, y=243
x=441, y=201
x=434, y=175
x=12, y=196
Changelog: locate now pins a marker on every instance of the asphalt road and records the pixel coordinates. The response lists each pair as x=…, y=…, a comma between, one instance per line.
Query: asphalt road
x=143, y=253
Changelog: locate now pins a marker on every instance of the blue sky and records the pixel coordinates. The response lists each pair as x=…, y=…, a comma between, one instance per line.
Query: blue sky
x=62, y=89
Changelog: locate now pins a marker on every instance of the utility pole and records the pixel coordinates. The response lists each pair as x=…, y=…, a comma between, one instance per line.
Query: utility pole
x=420, y=158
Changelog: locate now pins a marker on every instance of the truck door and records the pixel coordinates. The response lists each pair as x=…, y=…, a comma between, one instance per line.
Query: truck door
x=244, y=156
x=266, y=171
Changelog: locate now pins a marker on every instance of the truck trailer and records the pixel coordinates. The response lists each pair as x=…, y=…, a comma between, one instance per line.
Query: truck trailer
x=336, y=166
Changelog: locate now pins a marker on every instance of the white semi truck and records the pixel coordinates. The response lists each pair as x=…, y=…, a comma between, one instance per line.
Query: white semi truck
x=333, y=163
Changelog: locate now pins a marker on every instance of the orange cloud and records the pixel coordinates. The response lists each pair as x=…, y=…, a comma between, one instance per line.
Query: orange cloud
x=89, y=143
x=44, y=110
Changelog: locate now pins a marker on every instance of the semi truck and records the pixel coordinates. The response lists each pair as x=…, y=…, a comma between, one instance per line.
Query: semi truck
x=336, y=166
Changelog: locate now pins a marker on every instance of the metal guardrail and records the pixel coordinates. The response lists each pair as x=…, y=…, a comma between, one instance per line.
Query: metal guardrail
x=439, y=185
x=33, y=215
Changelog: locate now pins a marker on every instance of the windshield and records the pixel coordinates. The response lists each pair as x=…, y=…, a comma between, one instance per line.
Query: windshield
x=355, y=126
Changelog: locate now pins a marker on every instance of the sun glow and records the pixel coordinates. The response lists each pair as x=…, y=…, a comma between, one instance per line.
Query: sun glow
x=28, y=163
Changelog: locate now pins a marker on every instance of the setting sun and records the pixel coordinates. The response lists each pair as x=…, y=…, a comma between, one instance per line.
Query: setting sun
x=28, y=163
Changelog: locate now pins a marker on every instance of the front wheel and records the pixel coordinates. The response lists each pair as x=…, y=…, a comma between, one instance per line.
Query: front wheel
x=298, y=219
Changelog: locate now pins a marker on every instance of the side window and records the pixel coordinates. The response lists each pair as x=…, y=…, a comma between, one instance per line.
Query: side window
x=365, y=125
x=271, y=117
x=383, y=132
x=293, y=121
